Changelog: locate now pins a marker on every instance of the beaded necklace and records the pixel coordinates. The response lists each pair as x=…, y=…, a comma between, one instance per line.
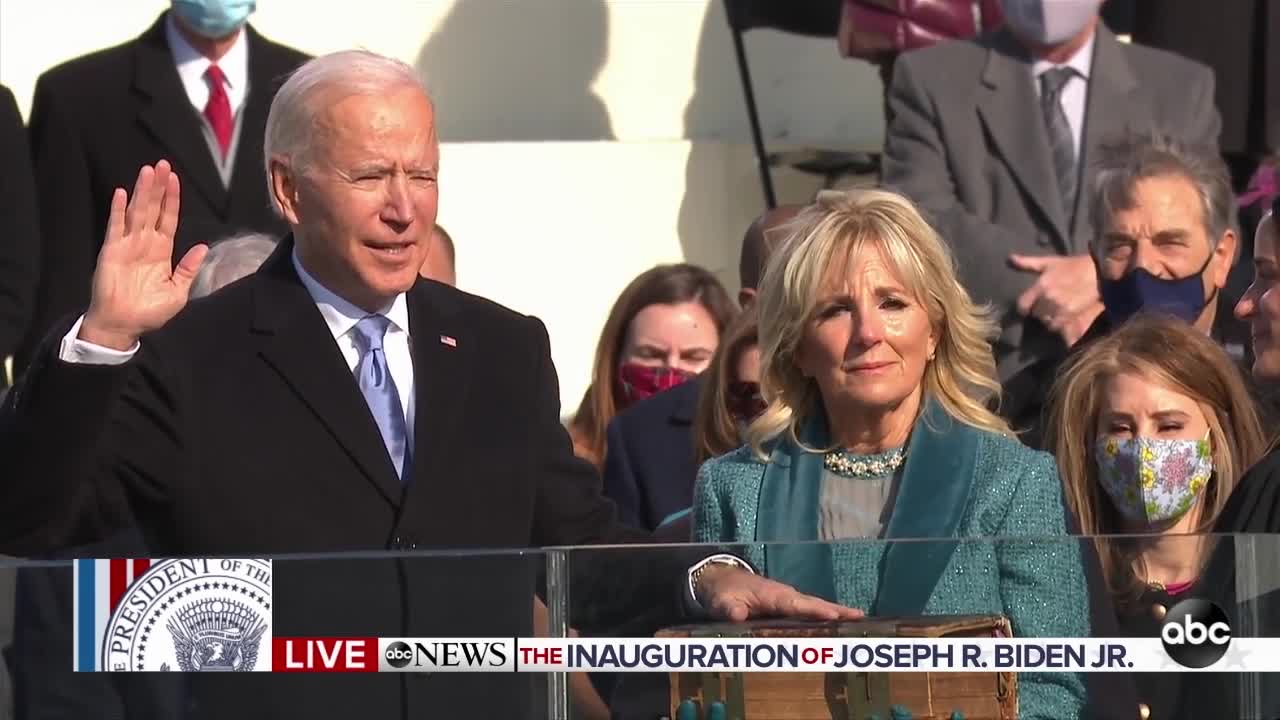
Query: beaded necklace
x=851, y=465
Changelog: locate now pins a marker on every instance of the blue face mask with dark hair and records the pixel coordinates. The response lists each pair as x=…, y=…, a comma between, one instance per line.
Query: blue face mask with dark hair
x=1141, y=291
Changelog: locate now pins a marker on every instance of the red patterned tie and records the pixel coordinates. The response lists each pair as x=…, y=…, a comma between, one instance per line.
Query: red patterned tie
x=218, y=110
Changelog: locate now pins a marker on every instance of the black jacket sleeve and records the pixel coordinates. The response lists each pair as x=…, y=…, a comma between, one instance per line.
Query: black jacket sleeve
x=1254, y=505
x=1108, y=696
x=45, y=686
x=68, y=224
x=19, y=227
x=619, y=479
x=83, y=445
x=640, y=589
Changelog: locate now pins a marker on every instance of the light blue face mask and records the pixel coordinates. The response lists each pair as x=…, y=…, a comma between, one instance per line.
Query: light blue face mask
x=1049, y=22
x=214, y=18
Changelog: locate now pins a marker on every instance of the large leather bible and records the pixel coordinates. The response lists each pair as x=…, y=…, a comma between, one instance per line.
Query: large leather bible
x=977, y=695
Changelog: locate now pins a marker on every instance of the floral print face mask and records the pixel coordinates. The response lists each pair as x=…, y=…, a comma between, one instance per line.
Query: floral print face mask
x=1152, y=480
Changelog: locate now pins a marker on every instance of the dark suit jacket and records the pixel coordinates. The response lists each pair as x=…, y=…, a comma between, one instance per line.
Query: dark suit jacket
x=1254, y=505
x=967, y=143
x=97, y=119
x=649, y=468
x=45, y=687
x=1181, y=696
x=19, y=228
x=238, y=429
x=1247, y=66
x=1254, y=511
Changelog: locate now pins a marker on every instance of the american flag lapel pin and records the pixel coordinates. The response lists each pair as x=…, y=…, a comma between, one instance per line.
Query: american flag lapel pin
x=448, y=340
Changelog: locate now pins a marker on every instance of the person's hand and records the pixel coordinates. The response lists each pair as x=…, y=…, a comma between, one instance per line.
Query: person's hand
x=1065, y=294
x=1077, y=325
x=733, y=594
x=136, y=288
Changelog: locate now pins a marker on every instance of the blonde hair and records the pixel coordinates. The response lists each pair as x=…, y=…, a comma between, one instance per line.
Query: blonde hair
x=1177, y=356
x=715, y=430
x=838, y=226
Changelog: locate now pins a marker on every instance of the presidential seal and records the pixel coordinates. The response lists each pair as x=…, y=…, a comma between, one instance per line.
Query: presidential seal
x=194, y=615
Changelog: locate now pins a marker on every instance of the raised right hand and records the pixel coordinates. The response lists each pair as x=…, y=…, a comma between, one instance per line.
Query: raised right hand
x=136, y=288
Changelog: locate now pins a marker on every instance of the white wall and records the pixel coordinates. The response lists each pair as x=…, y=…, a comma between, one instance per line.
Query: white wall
x=585, y=140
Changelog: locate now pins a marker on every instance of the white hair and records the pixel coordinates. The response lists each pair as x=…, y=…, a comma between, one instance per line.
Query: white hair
x=291, y=121
x=231, y=259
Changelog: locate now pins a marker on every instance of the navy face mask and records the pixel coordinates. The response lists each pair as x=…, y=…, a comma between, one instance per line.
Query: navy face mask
x=1140, y=291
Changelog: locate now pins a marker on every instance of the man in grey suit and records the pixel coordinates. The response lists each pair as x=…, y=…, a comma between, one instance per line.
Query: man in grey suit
x=995, y=139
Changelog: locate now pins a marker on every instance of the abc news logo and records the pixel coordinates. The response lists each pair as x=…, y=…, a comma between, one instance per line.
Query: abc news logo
x=1196, y=633
x=437, y=655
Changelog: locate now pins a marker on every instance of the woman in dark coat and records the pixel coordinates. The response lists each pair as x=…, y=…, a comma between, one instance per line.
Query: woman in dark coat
x=1255, y=505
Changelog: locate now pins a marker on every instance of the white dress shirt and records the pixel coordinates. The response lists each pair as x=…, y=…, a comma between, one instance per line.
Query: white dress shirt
x=339, y=315
x=1075, y=93
x=192, y=67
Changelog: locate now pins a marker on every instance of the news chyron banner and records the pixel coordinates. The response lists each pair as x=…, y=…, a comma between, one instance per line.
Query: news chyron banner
x=767, y=655
x=215, y=614
x=190, y=615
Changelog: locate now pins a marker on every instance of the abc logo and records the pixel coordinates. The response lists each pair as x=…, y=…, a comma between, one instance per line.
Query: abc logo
x=1196, y=633
x=399, y=654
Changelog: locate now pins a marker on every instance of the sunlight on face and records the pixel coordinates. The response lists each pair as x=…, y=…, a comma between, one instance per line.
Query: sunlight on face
x=682, y=336
x=869, y=340
x=363, y=213
x=1261, y=303
x=1133, y=406
x=1164, y=234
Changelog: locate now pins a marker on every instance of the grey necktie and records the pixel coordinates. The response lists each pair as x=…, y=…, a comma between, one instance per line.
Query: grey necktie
x=1061, y=141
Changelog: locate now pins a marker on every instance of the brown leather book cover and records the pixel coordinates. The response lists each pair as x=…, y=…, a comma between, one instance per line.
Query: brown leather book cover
x=857, y=695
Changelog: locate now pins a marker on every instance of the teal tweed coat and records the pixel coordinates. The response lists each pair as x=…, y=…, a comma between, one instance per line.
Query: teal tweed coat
x=960, y=483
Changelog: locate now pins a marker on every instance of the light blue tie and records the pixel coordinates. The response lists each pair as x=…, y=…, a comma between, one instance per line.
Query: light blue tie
x=379, y=388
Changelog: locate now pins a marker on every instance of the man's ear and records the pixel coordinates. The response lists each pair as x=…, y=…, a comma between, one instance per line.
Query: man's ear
x=746, y=296
x=284, y=189
x=1224, y=256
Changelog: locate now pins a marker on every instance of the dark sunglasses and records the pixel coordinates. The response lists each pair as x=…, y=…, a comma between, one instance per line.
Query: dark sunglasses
x=744, y=400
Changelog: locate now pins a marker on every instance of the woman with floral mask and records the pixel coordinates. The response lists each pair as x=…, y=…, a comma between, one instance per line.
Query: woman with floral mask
x=663, y=329
x=1153, y=426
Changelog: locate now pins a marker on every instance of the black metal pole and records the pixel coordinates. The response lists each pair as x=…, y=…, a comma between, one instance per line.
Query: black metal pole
x=757, y=138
